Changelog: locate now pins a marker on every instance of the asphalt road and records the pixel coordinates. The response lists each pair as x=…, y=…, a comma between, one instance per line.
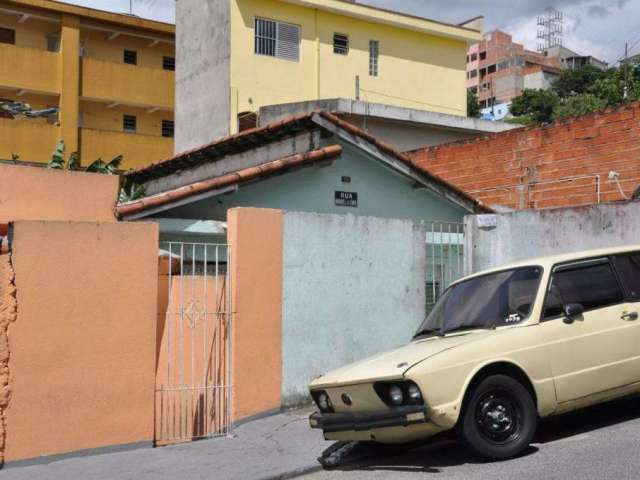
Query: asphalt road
x=602, y=442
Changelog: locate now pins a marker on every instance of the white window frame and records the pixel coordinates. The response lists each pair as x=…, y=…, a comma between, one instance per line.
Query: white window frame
x=280, y=43
x=374, y=58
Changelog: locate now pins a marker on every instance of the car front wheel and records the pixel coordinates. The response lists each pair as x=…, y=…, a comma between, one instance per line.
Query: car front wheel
x=499, y=419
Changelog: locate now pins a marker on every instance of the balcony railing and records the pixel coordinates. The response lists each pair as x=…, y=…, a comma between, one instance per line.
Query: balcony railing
x=128, y=84
x=32, y=140
x=137, y=149
x=29, y=69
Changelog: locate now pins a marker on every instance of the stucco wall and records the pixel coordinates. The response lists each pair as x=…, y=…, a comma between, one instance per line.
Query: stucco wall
x=33, y=193
x=82, y=348
x=353, y=286
x=203, y=44
x=255, y=239
x=526, y=234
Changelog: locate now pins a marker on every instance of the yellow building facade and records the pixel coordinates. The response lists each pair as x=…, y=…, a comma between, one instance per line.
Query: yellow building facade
x=282, y=51
x=111, y=76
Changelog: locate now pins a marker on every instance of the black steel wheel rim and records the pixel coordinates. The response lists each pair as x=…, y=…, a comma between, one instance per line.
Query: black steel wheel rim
x=499, y=417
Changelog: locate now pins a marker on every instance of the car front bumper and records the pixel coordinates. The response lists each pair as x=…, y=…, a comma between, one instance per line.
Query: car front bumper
x=361, y=421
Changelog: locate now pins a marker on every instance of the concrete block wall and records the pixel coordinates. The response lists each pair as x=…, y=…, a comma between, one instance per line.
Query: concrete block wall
x=527, y=234
x=528, y=168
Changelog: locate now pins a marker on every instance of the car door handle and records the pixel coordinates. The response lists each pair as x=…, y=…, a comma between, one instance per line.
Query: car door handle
x=629, y=316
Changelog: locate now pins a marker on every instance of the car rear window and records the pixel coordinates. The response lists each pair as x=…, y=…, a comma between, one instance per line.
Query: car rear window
x=593, y=285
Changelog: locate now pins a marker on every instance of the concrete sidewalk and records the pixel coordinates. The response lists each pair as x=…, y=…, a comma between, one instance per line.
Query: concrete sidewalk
x=276, y=447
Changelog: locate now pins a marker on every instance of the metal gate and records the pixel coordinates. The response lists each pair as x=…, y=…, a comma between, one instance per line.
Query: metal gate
x=193, y=381
x=445, y=258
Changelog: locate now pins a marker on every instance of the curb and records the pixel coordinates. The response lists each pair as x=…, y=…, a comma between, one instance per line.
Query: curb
x=294, y=473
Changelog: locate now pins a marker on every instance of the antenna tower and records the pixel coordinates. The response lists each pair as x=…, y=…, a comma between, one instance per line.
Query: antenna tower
x=550, y=29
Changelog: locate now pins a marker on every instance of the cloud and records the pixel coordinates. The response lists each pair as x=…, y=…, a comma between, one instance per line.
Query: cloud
x=592, y=27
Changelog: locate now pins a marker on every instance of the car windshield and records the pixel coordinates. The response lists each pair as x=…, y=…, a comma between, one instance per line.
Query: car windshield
x=487, y=301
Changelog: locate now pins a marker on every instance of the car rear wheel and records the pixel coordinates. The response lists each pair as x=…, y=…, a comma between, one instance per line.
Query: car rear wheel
x=499, y=419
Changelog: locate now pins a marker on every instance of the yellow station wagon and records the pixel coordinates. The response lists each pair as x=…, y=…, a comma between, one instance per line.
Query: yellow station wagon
x=499, y=350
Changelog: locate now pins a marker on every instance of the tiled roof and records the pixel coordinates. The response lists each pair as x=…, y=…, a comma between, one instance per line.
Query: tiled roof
x=256, y=137
x=241, y=176
x=229, y=145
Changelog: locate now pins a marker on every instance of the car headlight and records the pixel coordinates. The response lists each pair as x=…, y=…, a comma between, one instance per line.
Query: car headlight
x=395, y=395
x=323, y=401
x=414, y=393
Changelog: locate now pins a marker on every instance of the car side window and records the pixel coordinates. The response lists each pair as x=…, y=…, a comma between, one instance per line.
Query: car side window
x=628, y=267
x=591, y=285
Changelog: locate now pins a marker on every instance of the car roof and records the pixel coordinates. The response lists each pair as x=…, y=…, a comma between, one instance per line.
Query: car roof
x=548, y=261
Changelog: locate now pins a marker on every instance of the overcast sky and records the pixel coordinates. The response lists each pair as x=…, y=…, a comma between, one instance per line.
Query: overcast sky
x=596, y=27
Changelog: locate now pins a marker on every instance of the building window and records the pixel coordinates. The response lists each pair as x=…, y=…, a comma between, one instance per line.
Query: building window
x=167, y=128
x=53, y=42
x=374, y=52
x=169, y=63
x=474, y=57
x=491, y=69
x=473, y=73
x=8, y=35
x=247, y=121
x=277, y=39
x=483, y=55
x=131, y=57
x=340, y=44
x=129, y=123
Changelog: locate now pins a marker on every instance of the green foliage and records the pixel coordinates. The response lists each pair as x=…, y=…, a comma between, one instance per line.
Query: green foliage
x=57, y=159
x=578, y=92
x=111, y=168
x=536, y=104
x=15, y=157
x=473, y=107
x=578, y=81
x=578, y=105
x=74, y=161
x=130, y=191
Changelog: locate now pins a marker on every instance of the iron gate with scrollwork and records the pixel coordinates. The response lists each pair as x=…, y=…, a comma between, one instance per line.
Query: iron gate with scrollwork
x=193, y=381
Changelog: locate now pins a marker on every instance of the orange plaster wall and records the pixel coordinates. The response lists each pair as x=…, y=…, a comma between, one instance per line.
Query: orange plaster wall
x=34, y=193
x=82, y=349
x=255, y=237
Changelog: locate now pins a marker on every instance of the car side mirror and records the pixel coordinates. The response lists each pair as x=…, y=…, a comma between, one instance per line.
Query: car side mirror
x=571, y=311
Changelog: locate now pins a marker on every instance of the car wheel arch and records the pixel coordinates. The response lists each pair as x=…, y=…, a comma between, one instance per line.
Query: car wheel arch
x=502, y=367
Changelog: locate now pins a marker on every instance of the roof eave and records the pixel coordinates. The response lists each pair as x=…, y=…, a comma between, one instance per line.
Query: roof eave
x=396, y=19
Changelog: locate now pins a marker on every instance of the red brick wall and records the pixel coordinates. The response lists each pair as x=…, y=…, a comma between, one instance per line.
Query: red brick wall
x=529, y=167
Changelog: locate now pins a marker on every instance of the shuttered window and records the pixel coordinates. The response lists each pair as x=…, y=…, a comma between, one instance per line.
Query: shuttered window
x=167, y=128
x=168, y=63
x=277, y=39
x=340, y=44
x=129, y=123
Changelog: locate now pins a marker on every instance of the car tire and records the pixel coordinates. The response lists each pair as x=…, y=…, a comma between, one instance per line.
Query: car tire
x=499, y=419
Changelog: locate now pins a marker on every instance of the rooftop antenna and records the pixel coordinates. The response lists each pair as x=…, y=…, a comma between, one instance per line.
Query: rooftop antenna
x=550, y=29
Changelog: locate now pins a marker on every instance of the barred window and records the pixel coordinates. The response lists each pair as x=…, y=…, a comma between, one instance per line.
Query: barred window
x=129, y=123
x=374, y=51
x=340, y=44
x=277, y=39
x=167, y=128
